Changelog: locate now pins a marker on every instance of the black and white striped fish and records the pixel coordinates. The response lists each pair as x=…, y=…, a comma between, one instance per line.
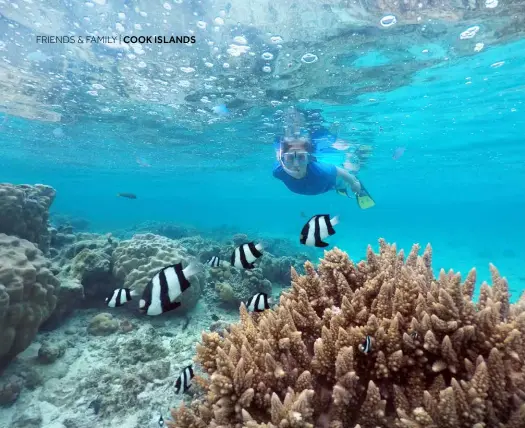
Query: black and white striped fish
x=214, y=261
x=184, y=380
x=120, y=296
x=259, y=302
x=318, y=228
x=366, y=346
x=166, y=286
x=244, y=255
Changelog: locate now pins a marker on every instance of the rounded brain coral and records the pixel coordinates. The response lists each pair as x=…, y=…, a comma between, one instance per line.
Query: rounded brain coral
x=137, y=260
x=27, y=294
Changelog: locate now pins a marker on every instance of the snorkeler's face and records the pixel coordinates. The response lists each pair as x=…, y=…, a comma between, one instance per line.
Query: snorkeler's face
x=296, y=159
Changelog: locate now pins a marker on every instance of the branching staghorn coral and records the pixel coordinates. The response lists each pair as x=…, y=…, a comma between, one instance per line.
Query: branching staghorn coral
x=438, y=358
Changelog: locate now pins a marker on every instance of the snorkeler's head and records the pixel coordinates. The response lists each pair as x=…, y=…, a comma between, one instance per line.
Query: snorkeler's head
x=294, y=155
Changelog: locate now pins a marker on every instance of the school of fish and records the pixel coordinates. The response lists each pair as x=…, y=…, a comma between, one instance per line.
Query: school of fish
x=169, y=283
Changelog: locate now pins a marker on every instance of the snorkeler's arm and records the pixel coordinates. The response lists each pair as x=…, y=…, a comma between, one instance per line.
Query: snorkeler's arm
x=350, y=179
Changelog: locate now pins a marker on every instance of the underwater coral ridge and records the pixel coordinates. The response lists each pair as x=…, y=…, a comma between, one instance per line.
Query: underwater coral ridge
x=437, y=358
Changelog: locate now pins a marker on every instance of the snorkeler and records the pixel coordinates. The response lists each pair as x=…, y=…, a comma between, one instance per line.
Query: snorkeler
x=302, y=173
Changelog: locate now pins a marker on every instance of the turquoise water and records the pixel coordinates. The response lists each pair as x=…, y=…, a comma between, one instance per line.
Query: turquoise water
x=460, y=184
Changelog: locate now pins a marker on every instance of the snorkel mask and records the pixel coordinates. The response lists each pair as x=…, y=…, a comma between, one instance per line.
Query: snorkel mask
x=294, y=156
x=295, y=147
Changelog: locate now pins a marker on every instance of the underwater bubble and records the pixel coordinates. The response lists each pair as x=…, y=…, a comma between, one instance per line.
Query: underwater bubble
x=276, y=39
x=100, y=2
x=177, y=1
x=93, y=93
x=424, y=51
x=388, y=21
x=225, y=65
x=201, y=25
x=513, y=110
x=184, y=83
x=309, y=58
x=120, y=27
x=469, y=33
x=479, y=47
x=141, y=64
x=267, y=56
x=491, y=4
x=58, y=133
x=241, y=40
x=275, y=103
x=267, y=69
x=166, y=6
x=497, y=64
x=138, y=27
x=143, y=14
x=187, y=69
x=97, y=86
x=208, y=64
x=121, y=15
x=89, y=4
x=303, y=100
x=237, y=50
x=219, y=21
x=131, y=56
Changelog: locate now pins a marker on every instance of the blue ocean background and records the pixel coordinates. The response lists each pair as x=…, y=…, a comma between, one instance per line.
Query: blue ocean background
x=460, y=185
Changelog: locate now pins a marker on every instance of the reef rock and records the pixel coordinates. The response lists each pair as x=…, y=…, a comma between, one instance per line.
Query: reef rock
x=27, y=294
x=70, y=296
x=24, y=212
x=102, y=325
x=137, y=260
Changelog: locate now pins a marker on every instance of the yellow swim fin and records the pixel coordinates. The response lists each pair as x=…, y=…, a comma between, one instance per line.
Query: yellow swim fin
x=364, y=200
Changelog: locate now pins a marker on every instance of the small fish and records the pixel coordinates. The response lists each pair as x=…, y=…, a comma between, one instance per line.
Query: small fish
x=366, y=346
x=415, y=335
x=161, y=421
x=127, y=195
x=166, y=286
x=214, y=261
x=95, y=405
x=303, y=214
x=214, y=317
x=244, y=255
x=316, y=229
x=184, y=380
x=380, y=129
x=120, y=296
x=398, y=152
x=221, y=110
x=259, y=302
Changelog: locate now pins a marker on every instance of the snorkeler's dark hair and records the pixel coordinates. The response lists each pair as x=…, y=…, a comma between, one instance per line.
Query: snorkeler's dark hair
x=309, y=147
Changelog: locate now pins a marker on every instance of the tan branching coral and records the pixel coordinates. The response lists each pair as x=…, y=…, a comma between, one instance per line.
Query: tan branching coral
x=437, y=359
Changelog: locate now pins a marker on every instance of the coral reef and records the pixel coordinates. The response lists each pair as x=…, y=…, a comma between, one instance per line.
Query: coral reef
x=27, y=294
x=237, y=285
x=137, y=260
x=70, y=296
x=24, y=212
x=102, y=325
x=90, y=261
x=437, y=358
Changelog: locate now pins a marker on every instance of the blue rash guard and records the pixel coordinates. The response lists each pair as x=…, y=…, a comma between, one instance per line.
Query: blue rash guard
x=319, y=178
